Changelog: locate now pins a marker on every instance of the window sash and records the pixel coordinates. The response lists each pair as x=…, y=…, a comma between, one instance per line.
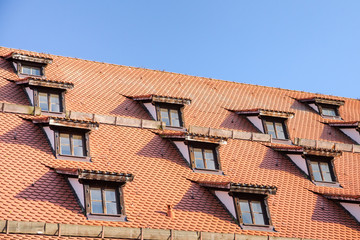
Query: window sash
x=321, y=171
x=170, y=115
x=72, y=144
x=204, y=158
x=29, y=70
x=252, y=212
x=49, y=102
x=276, y=129
x=108, y=204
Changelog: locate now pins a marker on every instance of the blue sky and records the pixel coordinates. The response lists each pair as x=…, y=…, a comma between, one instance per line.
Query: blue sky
x=303, y=45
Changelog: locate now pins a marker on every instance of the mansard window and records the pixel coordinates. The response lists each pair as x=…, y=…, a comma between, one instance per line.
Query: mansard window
x=275, y=127
x=31, y=70
x=50, y=101
x=252, y=209
x=321, y=169
x=104, y=200
x=204, y=156
x=72, y=144
x=170, y=114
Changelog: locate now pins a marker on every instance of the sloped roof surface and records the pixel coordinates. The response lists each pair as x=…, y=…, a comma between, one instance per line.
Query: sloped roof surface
x=32, y=191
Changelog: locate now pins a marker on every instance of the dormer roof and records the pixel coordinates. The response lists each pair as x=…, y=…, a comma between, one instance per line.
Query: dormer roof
x=45, y=82
x=264, y=112
x=322, y=100
x=34, y=58
x=162, y=99
x=65, y=122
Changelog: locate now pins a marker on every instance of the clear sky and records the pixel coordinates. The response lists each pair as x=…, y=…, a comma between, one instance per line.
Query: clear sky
x=303, y=45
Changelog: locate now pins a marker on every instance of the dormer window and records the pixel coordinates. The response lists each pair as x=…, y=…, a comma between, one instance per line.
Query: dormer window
x=351, y=129
x=29, y=65
x=275, y=127
x=321, y=169
x=72, y=144
x=100, y=193
x=68, y=138
x=170, y=114
x=269, y=121
x=200, y=152
x=316, y=163
x=247, y=203
x=165, y=109
x=30, y=70
x=203, y=156
x=327, y=108
x=50, y=102
x=47, y=94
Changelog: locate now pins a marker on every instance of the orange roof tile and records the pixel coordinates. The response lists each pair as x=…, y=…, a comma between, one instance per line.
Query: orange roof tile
x=31, y=190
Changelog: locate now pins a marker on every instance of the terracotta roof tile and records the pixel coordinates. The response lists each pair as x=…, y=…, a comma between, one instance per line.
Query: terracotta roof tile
x=32, y=191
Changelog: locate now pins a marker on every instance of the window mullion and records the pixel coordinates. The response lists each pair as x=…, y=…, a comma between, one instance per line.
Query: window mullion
x=49, y=104
x=275, y=130
x=204, y=160
x=103, y=200
x=321, y=172
x=71, y=144
x=169, y=114
x=251, y=212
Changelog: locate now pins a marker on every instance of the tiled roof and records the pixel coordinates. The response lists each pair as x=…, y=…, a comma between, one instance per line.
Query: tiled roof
x=32, y=190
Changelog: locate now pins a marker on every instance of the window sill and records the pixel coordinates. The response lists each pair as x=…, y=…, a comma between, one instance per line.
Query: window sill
x=104, y=217
x=265, y=228
x=211, y=171
x=332, y=117
x=327, y=184
x=73, y=158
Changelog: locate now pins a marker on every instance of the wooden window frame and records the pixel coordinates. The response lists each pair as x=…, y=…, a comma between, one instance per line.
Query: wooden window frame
x=276, y=120
x=168, y=106
x=85, y=138
x=118, y=187
x=252, y=197
x=320, y=106
x=328, y=160
x=49, y=91
x=20, y=65
x=204, y=146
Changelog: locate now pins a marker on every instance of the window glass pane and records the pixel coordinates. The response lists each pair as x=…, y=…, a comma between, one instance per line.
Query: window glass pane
x=26, y=70
x=65, y=144
x=209, y=157
x=78, y=145
x=96, y=207
x=259, y=218
x=244, y=206
x=256, y=206
x=199, y=160
x=279, y=130
x=329, y=112
x=270, y=129
x=43, y=101
x=325, y=170
x=35, y=71
x=174, y=115
x=55, y=102
x=95, y=194
x=110, y=195
x=316, y=171
x=164, y=114
x=111, y=208
x=246, y=216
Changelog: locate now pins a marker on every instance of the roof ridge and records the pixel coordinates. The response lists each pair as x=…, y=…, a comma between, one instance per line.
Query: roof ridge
x=181, y=74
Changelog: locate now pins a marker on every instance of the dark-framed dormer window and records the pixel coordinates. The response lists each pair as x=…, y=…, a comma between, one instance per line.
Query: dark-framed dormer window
x=31, y=70
x=104, y=200
x=204, y=156
x=170, y=114
x=276, y=127
x=72, y=143
x=321, y=169
x=50, y=101
x=252, y=209
x=328, y=110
